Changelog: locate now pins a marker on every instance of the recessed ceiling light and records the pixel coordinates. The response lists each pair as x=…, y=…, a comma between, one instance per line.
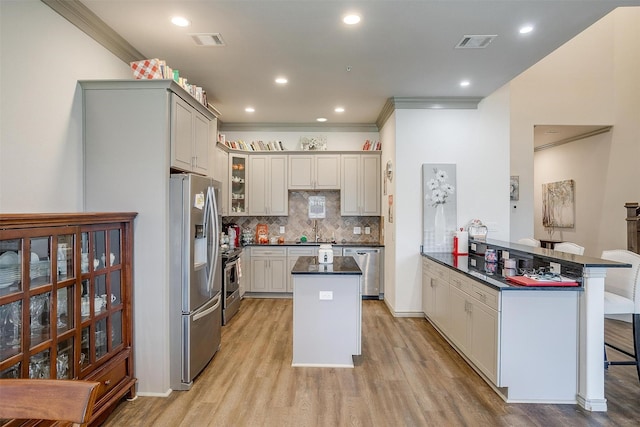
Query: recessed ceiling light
x=250, y=109
x=321, y=119
x=526, y=29
x=180, y=21
x=465, y=83
x=281, y=80
x=351, y=19
x=339, y=110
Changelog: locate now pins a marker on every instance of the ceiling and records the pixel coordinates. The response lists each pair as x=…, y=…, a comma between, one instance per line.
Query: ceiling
x=401, y=49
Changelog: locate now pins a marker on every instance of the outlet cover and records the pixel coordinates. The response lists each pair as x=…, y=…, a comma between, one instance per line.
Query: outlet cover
x=555, y=267
x=282, y=229
x=326, y=295
x=357, y=230
x=367, y=230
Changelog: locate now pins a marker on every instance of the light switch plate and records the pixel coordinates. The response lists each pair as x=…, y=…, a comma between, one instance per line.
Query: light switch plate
x=367, y=230
x=282, y=229
x=555, y=267
x=326, y=295
x=357, y=230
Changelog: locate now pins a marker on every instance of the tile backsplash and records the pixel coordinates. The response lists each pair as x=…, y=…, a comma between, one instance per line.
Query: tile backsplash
x=298, y=223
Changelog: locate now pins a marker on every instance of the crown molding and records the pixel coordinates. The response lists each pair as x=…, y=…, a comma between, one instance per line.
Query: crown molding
x=425, y=103
x=88, y=22
x=297, y=127
x=573, y=138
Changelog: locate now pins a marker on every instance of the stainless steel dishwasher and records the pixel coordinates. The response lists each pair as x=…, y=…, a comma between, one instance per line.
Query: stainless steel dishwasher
x=370, y=262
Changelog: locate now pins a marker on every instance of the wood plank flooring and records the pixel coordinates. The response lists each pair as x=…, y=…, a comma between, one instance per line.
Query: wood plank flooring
x=407, y=376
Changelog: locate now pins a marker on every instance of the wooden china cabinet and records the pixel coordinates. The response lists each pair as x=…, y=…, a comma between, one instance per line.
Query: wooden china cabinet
x=65, y=301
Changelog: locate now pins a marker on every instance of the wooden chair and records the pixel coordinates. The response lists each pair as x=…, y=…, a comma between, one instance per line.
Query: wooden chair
x=57, y=400
x=529, y=242
x=622, y=297
x=569, y=248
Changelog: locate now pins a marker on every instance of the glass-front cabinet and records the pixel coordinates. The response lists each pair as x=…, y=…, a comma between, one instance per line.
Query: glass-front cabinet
x=65, y=292
x=237, y=184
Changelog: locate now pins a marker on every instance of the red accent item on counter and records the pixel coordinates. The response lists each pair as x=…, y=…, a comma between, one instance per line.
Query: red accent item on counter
x=455, y=245
x=527, y=281
x=262, y=234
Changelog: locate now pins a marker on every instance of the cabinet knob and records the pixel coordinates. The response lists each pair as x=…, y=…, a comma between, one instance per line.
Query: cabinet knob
x=107, y=382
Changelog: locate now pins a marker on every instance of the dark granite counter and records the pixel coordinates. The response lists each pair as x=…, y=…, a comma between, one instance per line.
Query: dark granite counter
x=341, y=265
x=339, y=244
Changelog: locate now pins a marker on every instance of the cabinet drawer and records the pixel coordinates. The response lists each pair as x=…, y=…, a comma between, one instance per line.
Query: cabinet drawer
x=485, y=295
x=110, y=375
x=268, y=251
x=306, y=251
x=461, y=282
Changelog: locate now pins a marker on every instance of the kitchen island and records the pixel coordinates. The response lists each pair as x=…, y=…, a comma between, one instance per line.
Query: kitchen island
x=327, y=312
x=541, y=344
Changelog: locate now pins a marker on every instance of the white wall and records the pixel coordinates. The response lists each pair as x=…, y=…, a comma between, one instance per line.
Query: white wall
x=43, y=57
x=583, y=162
x=477, y=141
x=591, y=80
x=388, y=139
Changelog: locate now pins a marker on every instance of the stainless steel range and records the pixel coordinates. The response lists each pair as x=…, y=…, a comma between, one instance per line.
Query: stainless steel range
x=230, y=284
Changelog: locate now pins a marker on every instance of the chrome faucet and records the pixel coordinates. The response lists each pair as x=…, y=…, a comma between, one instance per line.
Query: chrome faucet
x=315, y=230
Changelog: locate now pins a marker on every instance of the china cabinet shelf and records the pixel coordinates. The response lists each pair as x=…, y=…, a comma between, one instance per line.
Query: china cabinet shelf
x=67, y=312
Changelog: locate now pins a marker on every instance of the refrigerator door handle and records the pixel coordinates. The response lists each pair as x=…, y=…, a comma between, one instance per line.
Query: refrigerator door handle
x=212, y=226
x=208, y=311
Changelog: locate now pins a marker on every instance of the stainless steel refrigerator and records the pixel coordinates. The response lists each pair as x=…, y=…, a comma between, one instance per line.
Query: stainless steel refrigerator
x=195, y=274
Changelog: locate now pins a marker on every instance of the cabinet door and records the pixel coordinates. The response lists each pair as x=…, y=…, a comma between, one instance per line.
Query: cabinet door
x=259, y=278
x=370, y=188
x=484, y=339
x=349, y=184
x=327, y=172
x=278, y=203
x=200, y=143
x=427, y=297
x=458, y=318
x=181, y=134
x=221, y=173
x=440, y=295
x=258, y=185
x=277, y=274
x=237, y=185
x=301, y=172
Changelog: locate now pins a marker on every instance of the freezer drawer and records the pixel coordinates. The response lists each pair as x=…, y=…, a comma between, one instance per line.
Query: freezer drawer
x=370, y=262
x=201, y=333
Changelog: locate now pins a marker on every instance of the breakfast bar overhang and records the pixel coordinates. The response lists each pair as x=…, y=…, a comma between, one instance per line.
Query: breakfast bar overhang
x=327, y=312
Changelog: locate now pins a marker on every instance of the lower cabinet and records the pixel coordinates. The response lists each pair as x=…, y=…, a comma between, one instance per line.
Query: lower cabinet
x=292, y=257
x=435, y=299
x=268, y=269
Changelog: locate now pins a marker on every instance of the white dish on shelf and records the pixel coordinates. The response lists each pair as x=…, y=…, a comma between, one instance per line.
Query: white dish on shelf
x=9, y=258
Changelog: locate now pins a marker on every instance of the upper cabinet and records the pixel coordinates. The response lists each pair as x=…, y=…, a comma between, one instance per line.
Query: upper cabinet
x=360, y=185
x=267, y=181
x=237, y=185
x=189, y=137
x=314, y=172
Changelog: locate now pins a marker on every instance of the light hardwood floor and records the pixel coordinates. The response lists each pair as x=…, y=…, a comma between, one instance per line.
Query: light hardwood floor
x=408, y=376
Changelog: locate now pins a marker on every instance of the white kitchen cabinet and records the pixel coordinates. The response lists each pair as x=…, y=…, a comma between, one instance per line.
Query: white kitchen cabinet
x=292, y=256
x=314, y=172
x=360, y=185
x=220, y=172
x=267, y=184
x=237, y=200
x=268, y=269
x=189, y=137
x=435, y=296
x=245, y=272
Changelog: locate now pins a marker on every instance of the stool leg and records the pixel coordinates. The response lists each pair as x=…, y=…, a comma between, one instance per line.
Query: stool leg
x=636, y=341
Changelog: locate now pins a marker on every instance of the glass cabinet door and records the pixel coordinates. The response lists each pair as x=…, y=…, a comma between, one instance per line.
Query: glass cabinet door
x=238, y=185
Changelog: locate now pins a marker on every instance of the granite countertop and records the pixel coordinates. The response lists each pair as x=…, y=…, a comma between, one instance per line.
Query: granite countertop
x=494, y=280
x=340, y=265
x=341, y=244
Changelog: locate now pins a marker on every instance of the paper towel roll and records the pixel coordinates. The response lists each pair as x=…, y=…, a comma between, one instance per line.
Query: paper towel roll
x=463, y=242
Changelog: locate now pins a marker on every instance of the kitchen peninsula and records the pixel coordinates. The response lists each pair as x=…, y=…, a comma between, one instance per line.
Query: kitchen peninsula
x=327, y=312
x=541, y=344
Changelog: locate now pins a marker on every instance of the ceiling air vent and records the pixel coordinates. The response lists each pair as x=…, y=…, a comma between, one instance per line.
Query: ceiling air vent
x=208, y=39
x=475, y=42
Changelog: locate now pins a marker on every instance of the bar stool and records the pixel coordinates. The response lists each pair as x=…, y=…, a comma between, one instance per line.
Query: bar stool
x=569, y=248
x=622, y=296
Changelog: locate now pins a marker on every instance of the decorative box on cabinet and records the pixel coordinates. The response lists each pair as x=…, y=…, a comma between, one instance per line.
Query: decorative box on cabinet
x=360, y=185
x=65, y=301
